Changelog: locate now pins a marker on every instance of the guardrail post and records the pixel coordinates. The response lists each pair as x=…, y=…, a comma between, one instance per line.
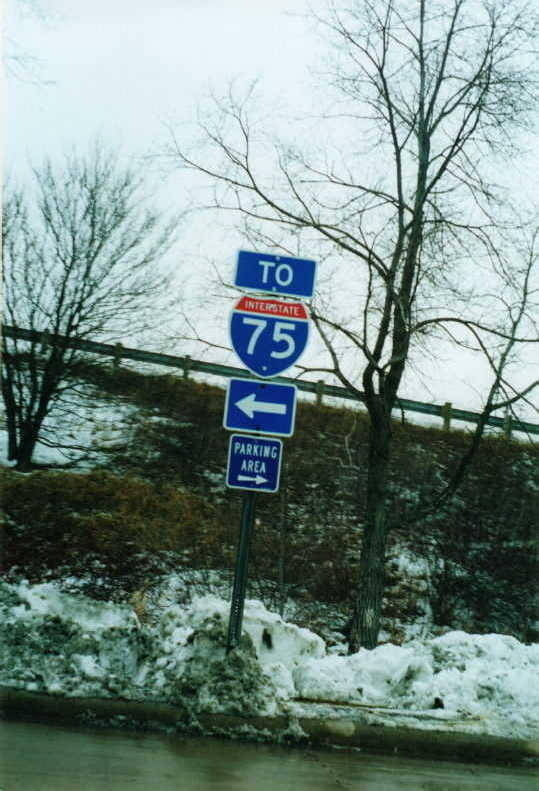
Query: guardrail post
x=446, y=414
x=319, y=392
x=45, y=339
x=507, y=425
x=117, y=356
x=187, y=362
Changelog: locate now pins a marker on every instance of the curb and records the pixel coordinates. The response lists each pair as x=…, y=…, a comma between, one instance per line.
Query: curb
x=16, y=704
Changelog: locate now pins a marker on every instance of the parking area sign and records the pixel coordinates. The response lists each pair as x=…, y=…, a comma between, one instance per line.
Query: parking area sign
x=254, y=463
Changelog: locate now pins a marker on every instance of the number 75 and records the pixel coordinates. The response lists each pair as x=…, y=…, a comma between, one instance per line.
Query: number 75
x=281, y=330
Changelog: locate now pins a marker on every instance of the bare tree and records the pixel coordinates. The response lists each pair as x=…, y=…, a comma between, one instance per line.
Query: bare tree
x=19, y=62
x=429, y=95
x=82, y=258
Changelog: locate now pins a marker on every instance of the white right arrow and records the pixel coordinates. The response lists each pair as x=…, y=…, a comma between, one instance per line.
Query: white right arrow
x=258, y=479
x=249, y=405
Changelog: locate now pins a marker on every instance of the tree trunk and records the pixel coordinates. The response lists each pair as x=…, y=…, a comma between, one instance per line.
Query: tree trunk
x=283, y=548
x=27, y=444
x=43, y=393
x=365, y=622
x=11, y=414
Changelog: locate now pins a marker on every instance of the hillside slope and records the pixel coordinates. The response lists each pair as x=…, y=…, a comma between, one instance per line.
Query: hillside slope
x=154, y=499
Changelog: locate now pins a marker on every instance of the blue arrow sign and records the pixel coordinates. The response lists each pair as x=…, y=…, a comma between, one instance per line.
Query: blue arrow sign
x=260, y=407
x=277, y=274
x=254, y=463
x=269, y=336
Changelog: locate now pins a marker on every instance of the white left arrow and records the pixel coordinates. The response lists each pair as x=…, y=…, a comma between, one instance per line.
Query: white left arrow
x=258, y=479
x=249, y=405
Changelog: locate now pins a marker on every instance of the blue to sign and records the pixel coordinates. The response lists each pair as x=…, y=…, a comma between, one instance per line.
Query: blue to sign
x=260, y=407
x=277, y=274
x=254, y=463
x=269, y=336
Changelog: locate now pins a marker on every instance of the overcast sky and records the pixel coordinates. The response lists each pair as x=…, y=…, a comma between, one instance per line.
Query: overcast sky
x=120, y=68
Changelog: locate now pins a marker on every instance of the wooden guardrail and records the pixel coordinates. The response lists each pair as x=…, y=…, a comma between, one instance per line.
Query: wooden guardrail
x=447, y=412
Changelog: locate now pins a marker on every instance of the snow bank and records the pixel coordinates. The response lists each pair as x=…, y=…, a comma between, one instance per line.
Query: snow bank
x=189, y=648
x=46, y=599
x=70, y=645
x=491, y=678
x=74, y=646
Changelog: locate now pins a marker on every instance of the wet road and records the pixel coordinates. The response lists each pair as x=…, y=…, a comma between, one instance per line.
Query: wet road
x=39, y=757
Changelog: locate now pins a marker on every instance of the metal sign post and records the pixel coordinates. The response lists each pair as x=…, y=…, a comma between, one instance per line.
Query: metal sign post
x=240, y=573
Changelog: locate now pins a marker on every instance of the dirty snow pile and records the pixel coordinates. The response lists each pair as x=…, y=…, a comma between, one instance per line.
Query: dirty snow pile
x=54, y=642
x=59, y=643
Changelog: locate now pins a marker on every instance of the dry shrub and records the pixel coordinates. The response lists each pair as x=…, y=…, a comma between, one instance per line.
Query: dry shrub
x=120, y=528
